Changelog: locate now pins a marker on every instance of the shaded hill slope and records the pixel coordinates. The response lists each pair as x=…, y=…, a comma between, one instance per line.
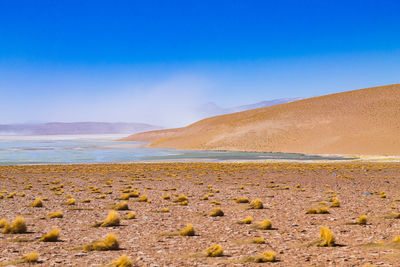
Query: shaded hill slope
x=365, y=121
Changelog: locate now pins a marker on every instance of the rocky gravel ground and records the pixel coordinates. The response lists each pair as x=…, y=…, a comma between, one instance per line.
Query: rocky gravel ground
x=152, y=238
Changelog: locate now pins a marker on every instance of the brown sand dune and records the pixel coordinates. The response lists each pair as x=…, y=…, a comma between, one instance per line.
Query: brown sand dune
x=365, y=121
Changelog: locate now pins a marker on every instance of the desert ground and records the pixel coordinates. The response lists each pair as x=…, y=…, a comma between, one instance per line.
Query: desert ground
x=166, y=197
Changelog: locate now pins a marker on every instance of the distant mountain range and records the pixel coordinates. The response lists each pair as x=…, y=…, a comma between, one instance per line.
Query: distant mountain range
x=54, y=128
x=60, y=128
x=211, y=109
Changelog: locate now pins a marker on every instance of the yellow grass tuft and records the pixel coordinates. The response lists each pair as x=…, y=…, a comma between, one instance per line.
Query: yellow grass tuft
x=131, y=215
x=109, y=243
x=123, y=261
x=17, y=227
x=3, y=223
x=264, y=225
x=71, y=201
x=258, y=240
x=396, y=239
x=322, y=210
x=143, y=198
x=166, y=197
x=111, y=220
x=242, y=200
x=38, y=203
x=31, y=257
x=247, y=220
x=362, y=220
x=217, y=212
x=256, y=204
x=215, y=251
x=326, y=238
x=267, y=256
x=335, y=202
x=55, y=214
x=51, y=236
x=188, y=231
x=121, y=206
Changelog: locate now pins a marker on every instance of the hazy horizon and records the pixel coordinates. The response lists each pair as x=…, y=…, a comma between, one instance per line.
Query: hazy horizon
x=155, y=62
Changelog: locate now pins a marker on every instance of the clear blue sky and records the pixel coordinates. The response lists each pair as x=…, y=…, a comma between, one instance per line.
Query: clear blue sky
x=152, y=61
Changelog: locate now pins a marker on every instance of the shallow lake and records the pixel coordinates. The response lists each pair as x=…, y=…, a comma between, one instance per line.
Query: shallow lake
x=16, y=150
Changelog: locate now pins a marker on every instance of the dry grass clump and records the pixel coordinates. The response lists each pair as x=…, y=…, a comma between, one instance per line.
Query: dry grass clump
x=335, y=202
x=123, y=261
x=124, y=197
x=362, y=220
x=109, y=243
x=71, y=201
x=264, y=225
x=247, y=220
x=143, y=198
x=256, y=204
x=217, y=212
x=181, y=198
x=38, y=203
x=51, y=236
x=30, y=257
x=17, y=227
x=326, y=238
x=164, y=210
x=188, y=231
x=258, y=240
x=166, y=197
x=121, y=206
x=267, y=256
x=131, y=215
x=55, y=214
x=3, y=223
x=111, y=220
x=215, y=251
x=322, y=210
x=242, y=200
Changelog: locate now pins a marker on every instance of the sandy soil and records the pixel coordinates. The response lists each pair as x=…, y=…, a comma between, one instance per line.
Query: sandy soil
x=362, y=122
x=287, y=191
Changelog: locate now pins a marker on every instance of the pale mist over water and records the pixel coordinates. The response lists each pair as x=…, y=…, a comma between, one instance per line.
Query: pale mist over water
x=43, y=149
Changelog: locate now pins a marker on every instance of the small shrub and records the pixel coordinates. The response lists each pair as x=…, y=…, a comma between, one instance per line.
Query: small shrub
x=215, y=251
x=109, y=243
x=30, y=257
x=51, y=236
x=326, y=238
x=256, y=204
x=217, y=212
x=123, y=261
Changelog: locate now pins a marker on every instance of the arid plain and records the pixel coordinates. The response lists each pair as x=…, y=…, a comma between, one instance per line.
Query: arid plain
x=298, y=199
